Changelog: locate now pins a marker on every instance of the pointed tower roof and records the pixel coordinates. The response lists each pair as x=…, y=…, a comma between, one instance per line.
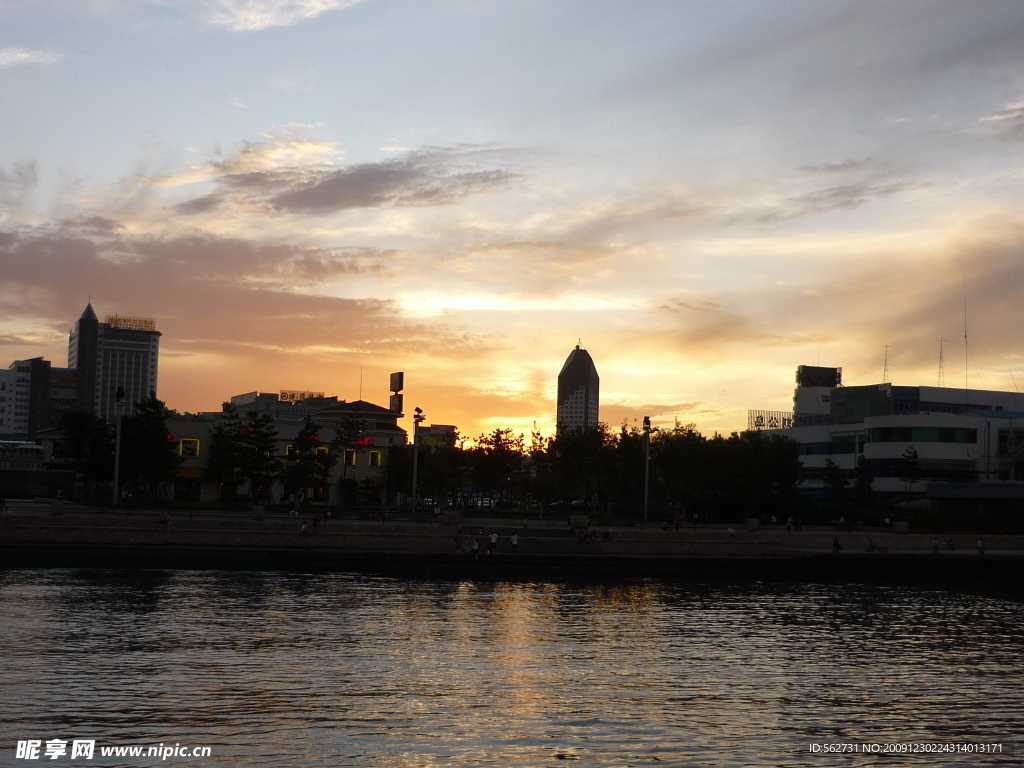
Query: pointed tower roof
x=578, y=358
x=88, y=314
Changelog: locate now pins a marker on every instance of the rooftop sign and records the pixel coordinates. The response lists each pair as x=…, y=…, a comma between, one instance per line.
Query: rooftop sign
x=130, y=323
x=298, y=395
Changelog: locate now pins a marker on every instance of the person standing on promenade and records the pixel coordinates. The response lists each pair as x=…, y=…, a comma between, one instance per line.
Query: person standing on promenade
x=981, y=547
x=836, y=546
x=935, y=546
x=476, y=548
x=515, y=542
x=492, y=546
x=789, y=524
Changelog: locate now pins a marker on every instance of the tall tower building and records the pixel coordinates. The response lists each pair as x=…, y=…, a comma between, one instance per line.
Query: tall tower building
x=578, y=385
x=119, y=352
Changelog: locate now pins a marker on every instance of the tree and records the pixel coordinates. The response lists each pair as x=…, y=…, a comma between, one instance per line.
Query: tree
x=148, y=455
x=835, y=482
x=258, y=453
x=442, y=467
x=225, y=463
x=580, y=460
x=347, y=432
x=863, y=479
x=495, y=463
x=88, y=442
x=745, y=474
x=301, y=464
x=910, y=468
x=626, y=468
x=541, y=483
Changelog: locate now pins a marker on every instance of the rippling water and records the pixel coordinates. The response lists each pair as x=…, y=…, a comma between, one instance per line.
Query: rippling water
x=338, y=670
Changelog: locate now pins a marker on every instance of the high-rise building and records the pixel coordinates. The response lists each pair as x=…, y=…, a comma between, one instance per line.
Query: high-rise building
x=119, y=352
x=578, y=385
x=15, y=388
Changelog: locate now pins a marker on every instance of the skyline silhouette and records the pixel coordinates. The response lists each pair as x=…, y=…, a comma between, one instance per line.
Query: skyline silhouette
x=297, y=192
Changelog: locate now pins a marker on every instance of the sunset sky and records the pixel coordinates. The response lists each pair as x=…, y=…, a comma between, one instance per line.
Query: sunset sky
x=707, y=194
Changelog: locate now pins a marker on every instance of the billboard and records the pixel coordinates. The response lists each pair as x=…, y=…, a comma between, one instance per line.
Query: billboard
x=397, y=382
x=297, y=395
x=396, y=403
x=758, y=420
x=130, y=323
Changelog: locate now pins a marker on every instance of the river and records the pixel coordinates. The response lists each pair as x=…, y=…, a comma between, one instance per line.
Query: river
x=271, y=669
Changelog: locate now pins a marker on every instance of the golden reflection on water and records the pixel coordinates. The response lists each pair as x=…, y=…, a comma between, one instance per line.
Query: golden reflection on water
x=328, y=670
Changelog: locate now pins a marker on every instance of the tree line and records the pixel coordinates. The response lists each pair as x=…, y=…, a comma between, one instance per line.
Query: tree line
x=602, y=472
x=599, y=471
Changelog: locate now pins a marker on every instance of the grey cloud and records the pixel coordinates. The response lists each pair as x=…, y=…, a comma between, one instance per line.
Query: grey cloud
x=16, y=184
x=403, y=182
x=842, y=64
x=96, y=224
x=1008, y=123
x=433, y=176
x=849, y=164
x=700, y=306
x=199, y=204
x=838, y=197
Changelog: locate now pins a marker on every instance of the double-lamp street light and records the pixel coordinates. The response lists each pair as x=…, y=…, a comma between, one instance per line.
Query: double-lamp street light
x=417, y=419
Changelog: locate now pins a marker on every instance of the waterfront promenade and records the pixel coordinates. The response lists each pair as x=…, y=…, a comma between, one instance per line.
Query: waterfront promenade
x=32, y=537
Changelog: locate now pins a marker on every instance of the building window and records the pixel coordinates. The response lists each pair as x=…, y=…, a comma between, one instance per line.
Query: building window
x=922, y=435
x=188, y=447
x=375, y=458
x=322, y=449
x=350, y=457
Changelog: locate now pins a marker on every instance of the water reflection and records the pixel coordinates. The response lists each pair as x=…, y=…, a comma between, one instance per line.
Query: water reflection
x=328, y=670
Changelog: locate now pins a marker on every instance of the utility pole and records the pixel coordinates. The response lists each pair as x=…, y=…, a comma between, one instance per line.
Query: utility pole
x=119, y=408
x=417, y=419
x=648, y=429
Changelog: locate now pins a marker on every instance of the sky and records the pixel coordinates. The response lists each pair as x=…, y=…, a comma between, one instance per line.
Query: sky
x=706, y=195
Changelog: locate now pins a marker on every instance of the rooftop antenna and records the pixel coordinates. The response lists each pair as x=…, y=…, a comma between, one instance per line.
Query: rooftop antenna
x=942, y=373
x=885, y=366
x=966, y=386
x=360, y=382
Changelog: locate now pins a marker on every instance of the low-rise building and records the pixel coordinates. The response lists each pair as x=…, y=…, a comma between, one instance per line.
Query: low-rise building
x=363, y=464
x=969, y=443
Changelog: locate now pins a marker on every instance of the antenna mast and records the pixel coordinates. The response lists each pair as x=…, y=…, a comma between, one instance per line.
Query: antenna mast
x=885, y=367
x=966, y=386
x=942, y=373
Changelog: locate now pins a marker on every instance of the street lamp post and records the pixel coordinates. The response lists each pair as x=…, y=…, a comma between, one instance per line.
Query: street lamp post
x=417, y=419
x=648, y=429
x=119, y=407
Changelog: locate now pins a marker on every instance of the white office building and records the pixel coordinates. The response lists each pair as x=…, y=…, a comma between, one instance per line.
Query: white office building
x=969, y=442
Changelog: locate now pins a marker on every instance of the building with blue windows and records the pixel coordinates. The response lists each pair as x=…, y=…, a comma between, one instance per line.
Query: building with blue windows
x=969, y=442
